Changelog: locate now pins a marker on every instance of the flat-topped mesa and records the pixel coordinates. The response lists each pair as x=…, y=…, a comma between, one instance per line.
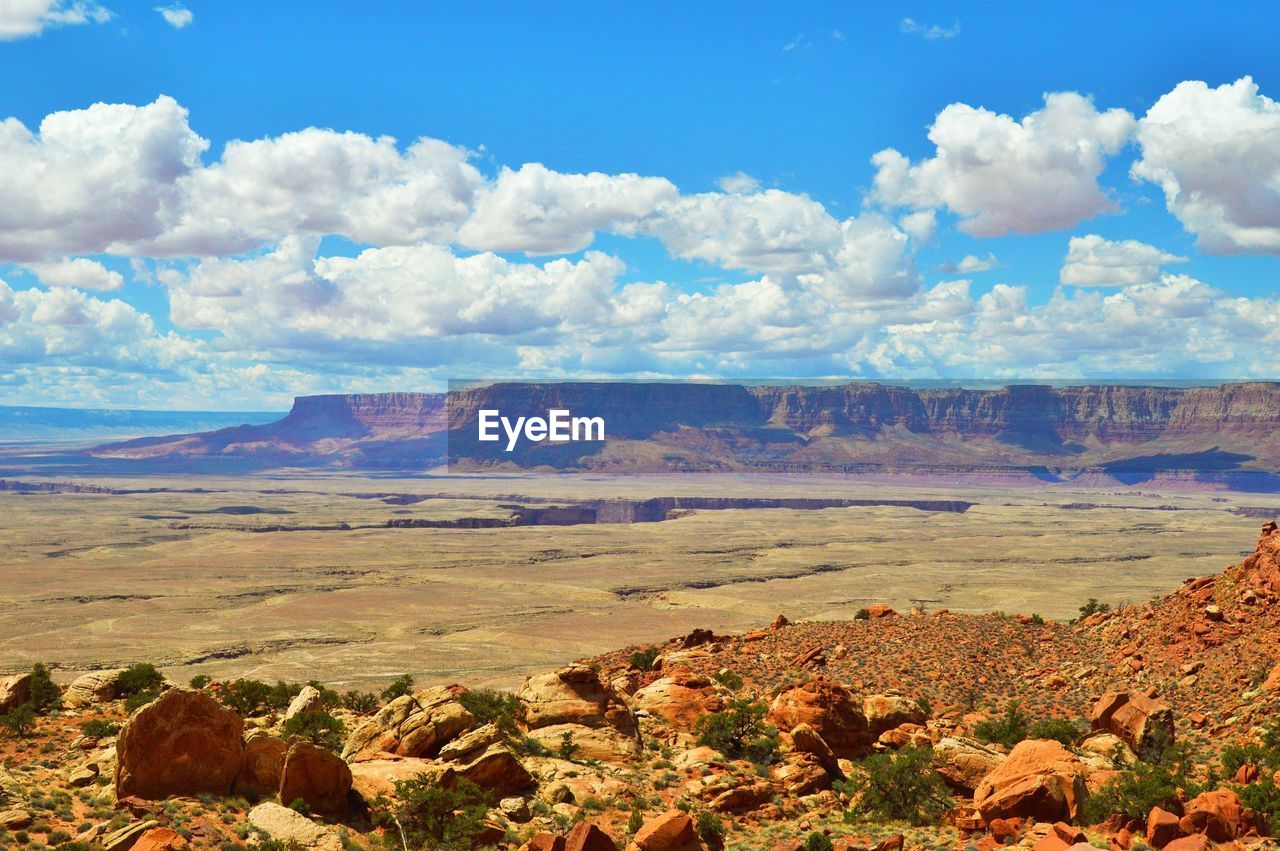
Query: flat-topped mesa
x=361, y=414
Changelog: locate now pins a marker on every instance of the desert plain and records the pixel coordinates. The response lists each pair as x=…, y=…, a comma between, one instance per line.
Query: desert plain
x=297, y=577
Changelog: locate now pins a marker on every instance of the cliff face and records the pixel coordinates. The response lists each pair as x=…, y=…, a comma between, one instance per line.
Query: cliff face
x=1105, y=430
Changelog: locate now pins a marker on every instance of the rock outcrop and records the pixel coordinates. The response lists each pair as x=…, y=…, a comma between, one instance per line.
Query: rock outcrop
x=14, y=691
x=573, y=695
x=182, y=743
x=91, y=689
x=413, y=725
x=293, y=829
x=1039, y=779
x=830, y=709
x=1143, y=723
x=316, y=776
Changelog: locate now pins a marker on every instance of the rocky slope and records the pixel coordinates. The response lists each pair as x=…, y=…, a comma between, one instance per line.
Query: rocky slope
x=752, y=741
x=1225, y=434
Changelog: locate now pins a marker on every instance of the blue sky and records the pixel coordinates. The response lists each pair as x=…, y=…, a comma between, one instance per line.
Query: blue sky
x=242, y=283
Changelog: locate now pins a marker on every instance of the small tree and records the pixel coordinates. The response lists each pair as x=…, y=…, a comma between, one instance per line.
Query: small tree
x=711, y=829
x=319, y=728
x=739, y=732
x=818, y=842
x=491, y=706
x=642, y=660
x=360, y=702
x=568, y=747
x=1134, y=793
x=1007, y=730
x=432, y=816
x=139, y=678
x=399, y=687
x=20, y=721
x=45, y=696
x=1057, y=729
x=900, y=785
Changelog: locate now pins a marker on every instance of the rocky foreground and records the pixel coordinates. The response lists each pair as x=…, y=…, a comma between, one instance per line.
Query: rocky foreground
x=1154, y=725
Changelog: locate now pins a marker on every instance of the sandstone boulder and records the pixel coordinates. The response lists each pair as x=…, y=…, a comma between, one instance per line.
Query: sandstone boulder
x=805, y=739
x=1219, y=815
x=413, y=725
x=1106, y=751
x=830, y=709
x=14, y=691
x=471, y=743
x=670, y=831
x=160, y=839
x=307, y=700
x=801, y=774
x=260, y=765
x=885, y=712
x=1144, y=723
x=293, y=829
x=963, y=763
x=573, y=695
x=603, y=743
x=91, y=690
x=1162, y=828
x=316, y=776
x=497, y=770
x=680, y=700
x=1040, y=779
x=182, y=743
x=375, y=777
x=585, y=836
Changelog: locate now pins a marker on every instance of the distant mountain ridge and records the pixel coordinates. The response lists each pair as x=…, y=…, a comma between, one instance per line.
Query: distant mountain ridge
x=30, y=423
x=1217, y=433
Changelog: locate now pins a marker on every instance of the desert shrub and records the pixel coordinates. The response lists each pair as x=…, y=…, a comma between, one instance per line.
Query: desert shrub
x=19, y=721
x=739, y=732
x=491, y=706
x=527, y=746
x=1134, y=793
x=728, y=679
x=200, y=680
x=399, y=687
x=253, y=697
x=140, y=699
x=1008, y=729
x=360, y=701
x=925, y=706
x=635, y=821
x=319, y=728
x=45, y=695
x=1093, y=607
x=711, y=829
x=862, y=615
x=568, y=747
x=139, y=678
x=1036, y=619
x=642, y=660
x=1234, y=756
x=433, y=816
x=1058, y=729
x=899, y=785
x=817, y=842
x=98, y=728
x=1262, y=796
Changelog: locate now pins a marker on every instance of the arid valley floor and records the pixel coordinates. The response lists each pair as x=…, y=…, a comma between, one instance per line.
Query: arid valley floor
x=179, y=577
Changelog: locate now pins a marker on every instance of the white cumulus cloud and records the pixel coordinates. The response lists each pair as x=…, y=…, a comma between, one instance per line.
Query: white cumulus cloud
x=25, y=18
x=1093, y=261
x=79, y=272
x=1001, y=175
x=176, y=15
x=1215, y=152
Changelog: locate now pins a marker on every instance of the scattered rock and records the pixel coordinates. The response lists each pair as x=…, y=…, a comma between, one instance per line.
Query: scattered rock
x=671, y=831
x=1143, y=722
x=307, y=700
x=587, y=837
x=160, y=839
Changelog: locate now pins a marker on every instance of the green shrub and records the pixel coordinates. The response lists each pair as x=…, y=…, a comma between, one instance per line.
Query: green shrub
x=142, y=677
x=200, y=681
x=140, y=699
x=319, y=728
x=491, y=706
x=98, y=728
x=818, y=842
x=862, y=615
x=248, y=698
x=1037, y=620
x=360, y=702
x=899, y=785
x=567, y=747
x=433, y=816
x=328, y=696
x=399, y=687
x=45, y=695
x=1006, y=730
x=739, y=732
x=711, y=829
x=20, y=721
x=1134, y=793
x=642, y=660
x=1262, y=796
x=635, y=821
x=1057, y=729
x=1093, y=607
x=728, y=679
